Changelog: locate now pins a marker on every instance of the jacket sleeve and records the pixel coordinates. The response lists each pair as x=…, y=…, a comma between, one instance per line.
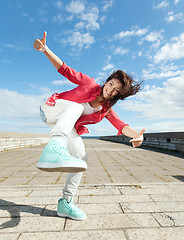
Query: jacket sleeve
x=116, y=121
x=74, y=76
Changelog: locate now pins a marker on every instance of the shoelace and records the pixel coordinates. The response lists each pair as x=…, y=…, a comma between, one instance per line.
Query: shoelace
x=71, y=206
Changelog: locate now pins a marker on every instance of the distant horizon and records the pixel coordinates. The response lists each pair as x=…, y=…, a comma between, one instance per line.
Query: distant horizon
x=83, y=136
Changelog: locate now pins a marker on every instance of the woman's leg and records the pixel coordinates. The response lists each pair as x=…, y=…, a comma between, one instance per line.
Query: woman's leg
x=66, y=208
x=76, y=148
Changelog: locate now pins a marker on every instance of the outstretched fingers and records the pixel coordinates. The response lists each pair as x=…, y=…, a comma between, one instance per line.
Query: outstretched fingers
x=139, y=138
x=142, y=131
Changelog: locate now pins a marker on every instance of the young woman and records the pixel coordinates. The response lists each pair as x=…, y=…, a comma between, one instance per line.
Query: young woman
x=67, y=112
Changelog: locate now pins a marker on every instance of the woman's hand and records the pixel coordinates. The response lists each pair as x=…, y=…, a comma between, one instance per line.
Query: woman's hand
x=136, y=142
x=39, y=44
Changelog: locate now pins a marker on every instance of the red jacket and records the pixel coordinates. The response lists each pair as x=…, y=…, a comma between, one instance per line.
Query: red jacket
x=86, y=91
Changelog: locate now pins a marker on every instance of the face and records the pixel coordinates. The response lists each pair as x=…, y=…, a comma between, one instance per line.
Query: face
x=112, y=88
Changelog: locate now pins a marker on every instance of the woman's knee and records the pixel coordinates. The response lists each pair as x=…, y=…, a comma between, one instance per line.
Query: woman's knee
x=77, y=107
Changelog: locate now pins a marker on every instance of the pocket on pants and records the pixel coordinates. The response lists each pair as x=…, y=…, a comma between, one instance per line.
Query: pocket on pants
x=42, y=115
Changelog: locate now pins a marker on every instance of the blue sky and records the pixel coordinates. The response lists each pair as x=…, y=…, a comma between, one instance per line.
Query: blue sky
x=144, y=38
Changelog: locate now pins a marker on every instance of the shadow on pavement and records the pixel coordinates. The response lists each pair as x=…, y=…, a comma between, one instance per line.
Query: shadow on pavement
x=15, y=210
x=175, y=153
x=164, y=151
x=181, y=178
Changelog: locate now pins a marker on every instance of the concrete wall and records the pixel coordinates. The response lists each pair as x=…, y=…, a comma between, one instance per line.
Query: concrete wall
x=167, y=140
x=11, y=140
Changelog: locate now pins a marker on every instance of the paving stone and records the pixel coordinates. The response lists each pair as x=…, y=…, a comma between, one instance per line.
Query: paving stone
x=152, y=207
x=21, y=211
x=156, y=233
x=15, y=181
x=93, y=209
x=29, y=224
x=43, y=180
x=9, y=236
x=77, y=235
x=168, y=197
x=113, y=221
x=100, y=208
x=114, y=199
x=29, y=200
x=170, y=219
x=45, y=193
x=158, y=190
x=98, y=191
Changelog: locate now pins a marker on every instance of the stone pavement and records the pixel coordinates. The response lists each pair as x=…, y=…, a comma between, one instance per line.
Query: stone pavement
x=127, y=193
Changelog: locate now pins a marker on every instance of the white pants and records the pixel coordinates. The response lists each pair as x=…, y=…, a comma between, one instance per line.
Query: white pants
x=61, y=118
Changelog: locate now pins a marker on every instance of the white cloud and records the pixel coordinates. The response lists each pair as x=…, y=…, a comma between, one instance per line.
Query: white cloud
x=61, y=82
x=16, y=47
x=108, y=67
x=107, y=5
x=42, y=91
x=153, y=36
x=120, y=50
x=58, y=18
x=24, y=125
x=141, y=32
x=20, y=112
x=165, y=126
x=59, y=4
x=80, y=25
x=176, y=1
x=159, y=102
x=131, y=33
x=101, y=76
x=85, y=20
x=102, y=19
x=26, y=16
x=162, y=5
x=90, y=18
x=124, y=34
x=42, y=15
x=18, y=106
x=79, y=40
x=164, y=73
x=75, y=7
x=100, y=129
x=171, y=51
x=106, y=70
x=174, y=17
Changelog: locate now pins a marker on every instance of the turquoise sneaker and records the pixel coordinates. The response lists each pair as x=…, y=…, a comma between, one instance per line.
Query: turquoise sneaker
x=65, y=209
x=56, y=158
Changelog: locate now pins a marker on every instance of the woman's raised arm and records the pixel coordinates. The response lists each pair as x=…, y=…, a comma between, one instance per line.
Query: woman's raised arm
x=40, y=45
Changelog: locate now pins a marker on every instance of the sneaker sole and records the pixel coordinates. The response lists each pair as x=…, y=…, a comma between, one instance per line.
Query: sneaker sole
x=51, y=167
x=68, y=216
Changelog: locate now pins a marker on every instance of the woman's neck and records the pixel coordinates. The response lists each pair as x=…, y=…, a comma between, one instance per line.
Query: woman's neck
x=97, y=102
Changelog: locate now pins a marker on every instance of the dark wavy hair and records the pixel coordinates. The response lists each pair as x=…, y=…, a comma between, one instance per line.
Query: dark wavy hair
x=129, y=86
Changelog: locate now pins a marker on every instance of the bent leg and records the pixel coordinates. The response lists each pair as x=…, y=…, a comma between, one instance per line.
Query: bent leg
x=62, y=117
